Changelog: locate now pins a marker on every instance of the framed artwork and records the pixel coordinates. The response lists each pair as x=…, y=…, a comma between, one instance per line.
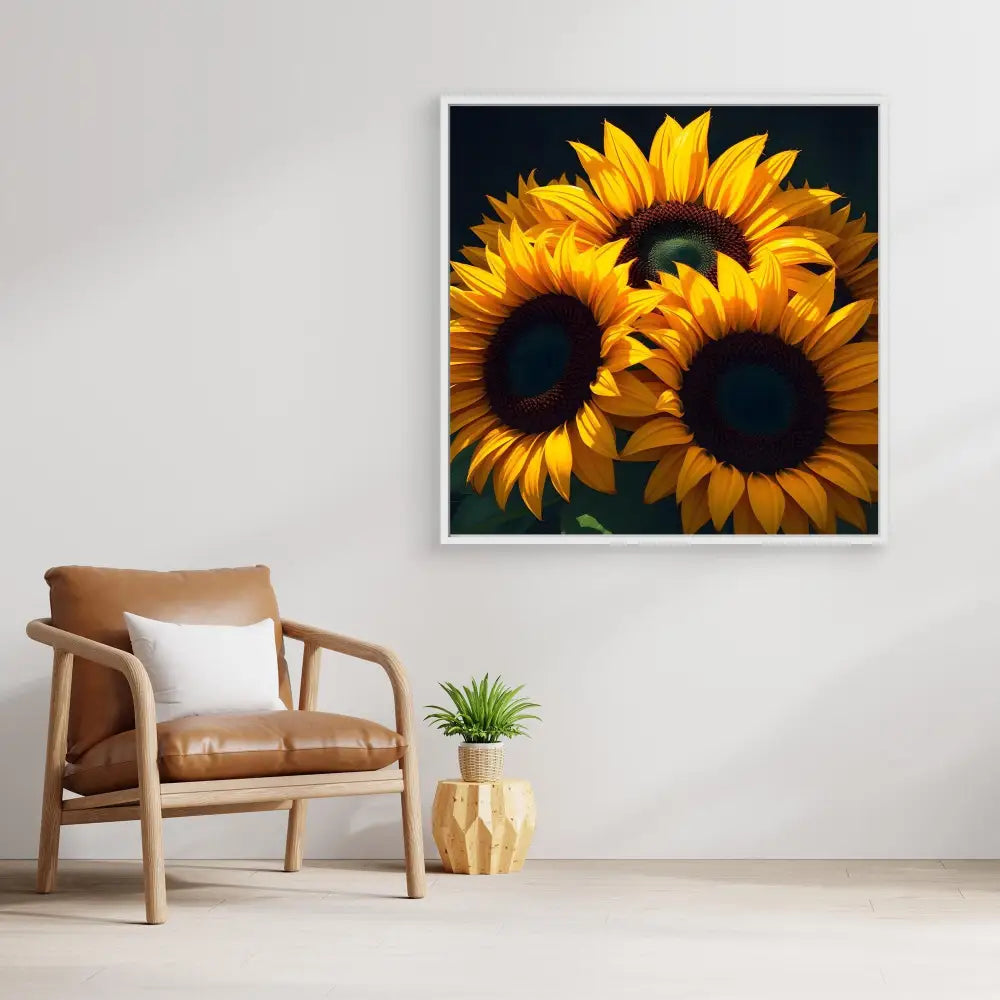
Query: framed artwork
x=661, y=322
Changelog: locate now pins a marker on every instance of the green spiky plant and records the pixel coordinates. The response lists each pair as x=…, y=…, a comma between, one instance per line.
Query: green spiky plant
x=484, y=712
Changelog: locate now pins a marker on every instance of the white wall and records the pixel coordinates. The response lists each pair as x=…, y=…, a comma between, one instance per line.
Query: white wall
x=219, y=345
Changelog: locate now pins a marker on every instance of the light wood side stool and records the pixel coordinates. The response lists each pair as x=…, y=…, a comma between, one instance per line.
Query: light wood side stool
x=483, y=827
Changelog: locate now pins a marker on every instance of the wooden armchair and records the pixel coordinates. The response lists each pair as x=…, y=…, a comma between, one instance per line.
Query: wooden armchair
x=104, y=741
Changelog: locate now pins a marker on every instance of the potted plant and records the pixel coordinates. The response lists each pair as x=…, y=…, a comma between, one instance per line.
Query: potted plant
x=484, y=714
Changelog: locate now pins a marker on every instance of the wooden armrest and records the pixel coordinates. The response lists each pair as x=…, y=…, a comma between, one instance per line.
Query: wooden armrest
x=66, y=646
x=41, y=630
x=317, y=638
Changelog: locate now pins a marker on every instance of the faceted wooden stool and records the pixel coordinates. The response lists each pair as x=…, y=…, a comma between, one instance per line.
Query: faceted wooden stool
x=483, y=827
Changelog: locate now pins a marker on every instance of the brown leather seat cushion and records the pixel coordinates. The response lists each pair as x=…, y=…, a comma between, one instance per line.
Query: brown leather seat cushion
x=90, y=601
x=268, y=744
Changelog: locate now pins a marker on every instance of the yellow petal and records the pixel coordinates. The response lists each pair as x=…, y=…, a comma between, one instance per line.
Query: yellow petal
x=482, y=327
x=461, y=372
x=807, y=491
x=468, y=341
x=853, y=376
x=847, y=357
x=772, y=293
x=687, y=165
x=659, y=154
x=559, y=459
x=577, y=204
x=687, y=334
x=476, y=305
x=656, y=433
x=532, y=478
x=841, y=474
x=854, y=460
x=808, y=308
x=633, y=399
x=491, y=446
x=595, y=471
x=803, y=232
x=634, y=304
x=784, y=207
x=480, y=476
x=744, y=521
x=563, y=257
x=664, y=366
x=475, y=255
x=850, y=367
x=461, y=398
x=677, y=344
x=467, y=416
x=625, y=353
x=853, y=428
x=725, y=487
x=865, y=398
x=669, y=402
x=663, y=479
x=837, y=329
x=852, y=251
x=764, y=182
x=704, y=301
x=738, y=294
x=697, y=464
x=604, y=299
x=508, y=468
x=729, y=176
x=479, y=280
x=516, y=253
x=848, y=509
x=794, y=521
x=595, y=430
x=471, y=432
x=855, y=228
x=829, y=526
x=767, y=500
x=694, y=508
x=604, y=383
x=794, y=250
x=607, y=180
x=621, y=150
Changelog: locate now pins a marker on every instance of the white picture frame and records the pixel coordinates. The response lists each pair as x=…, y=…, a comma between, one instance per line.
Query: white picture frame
x=447, y=103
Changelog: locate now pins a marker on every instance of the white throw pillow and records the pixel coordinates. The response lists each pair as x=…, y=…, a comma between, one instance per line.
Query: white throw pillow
x=207, y=669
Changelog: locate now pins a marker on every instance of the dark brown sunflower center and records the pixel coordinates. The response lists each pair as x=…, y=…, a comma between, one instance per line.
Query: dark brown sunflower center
x=755, y=402
x=663, y=235
x=541, y=361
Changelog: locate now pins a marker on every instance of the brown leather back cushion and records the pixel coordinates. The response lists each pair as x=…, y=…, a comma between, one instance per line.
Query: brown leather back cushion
x=90, y=601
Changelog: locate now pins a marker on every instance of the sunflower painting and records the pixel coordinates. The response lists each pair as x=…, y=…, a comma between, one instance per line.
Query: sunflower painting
x=662, y=321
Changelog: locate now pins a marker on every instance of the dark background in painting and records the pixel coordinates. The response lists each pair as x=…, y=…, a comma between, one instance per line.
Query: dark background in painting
x=491, y=145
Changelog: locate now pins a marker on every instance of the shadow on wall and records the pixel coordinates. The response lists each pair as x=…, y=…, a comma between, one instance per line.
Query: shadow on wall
x=930, y=688
x=23, y=727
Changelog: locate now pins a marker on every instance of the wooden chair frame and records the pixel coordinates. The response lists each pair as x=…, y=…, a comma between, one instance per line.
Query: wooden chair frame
x=152, y=800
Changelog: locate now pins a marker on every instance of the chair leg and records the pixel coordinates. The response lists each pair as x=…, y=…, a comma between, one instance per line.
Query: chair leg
x=413, y=834
x=151, y=827
x=153, y=875
x=296, y=835
x=48, y=851
x=55, y=757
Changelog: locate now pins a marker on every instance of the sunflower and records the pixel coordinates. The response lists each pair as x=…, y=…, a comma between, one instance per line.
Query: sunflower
x=766, y=406
x=857, y=276
x=533, y=218
x=674, y=206
x=540, y=344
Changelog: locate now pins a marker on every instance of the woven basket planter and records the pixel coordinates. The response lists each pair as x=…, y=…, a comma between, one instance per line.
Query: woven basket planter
x=480, y=761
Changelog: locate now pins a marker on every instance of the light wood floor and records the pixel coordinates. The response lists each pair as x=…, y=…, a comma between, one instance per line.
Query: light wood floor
x=571, y=929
